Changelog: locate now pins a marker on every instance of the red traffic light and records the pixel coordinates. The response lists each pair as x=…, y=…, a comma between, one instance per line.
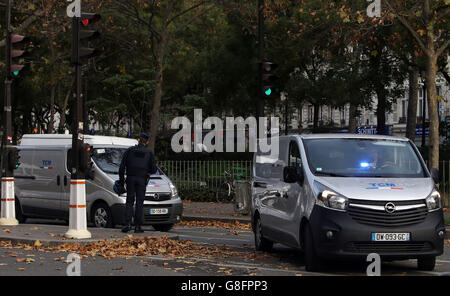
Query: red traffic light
x=89, y=18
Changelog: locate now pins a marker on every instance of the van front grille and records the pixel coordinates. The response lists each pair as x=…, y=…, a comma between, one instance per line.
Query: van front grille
x=382, y=218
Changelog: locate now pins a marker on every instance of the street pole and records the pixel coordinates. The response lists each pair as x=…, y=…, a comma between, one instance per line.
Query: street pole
x=77, y=207
x=260, y=101
x=8, y=212
x=424, y=104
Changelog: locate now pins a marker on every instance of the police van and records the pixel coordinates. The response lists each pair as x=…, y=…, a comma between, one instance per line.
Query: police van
x=346, y=196
x=42, y=183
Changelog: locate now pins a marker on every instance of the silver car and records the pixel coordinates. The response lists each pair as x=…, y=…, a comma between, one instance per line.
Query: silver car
x=42, y=183
x=346, y=196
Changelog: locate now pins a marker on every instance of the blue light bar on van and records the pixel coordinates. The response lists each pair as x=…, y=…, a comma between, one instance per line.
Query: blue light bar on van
x=364, y=164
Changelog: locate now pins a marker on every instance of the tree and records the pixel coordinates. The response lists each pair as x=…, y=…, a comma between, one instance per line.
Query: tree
x=427, y=22
x=161, y=21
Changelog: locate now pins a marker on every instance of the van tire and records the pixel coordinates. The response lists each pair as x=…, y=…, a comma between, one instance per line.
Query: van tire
x=312, y=261
x=162, y=227
x=426, y=263
x=19, y=214
x=261, y=243
x=102, y=216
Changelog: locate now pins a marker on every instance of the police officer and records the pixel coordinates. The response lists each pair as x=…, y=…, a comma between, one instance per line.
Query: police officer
x=139, y=163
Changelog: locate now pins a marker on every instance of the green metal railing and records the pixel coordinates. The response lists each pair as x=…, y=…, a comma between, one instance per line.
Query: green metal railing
x=193, y=174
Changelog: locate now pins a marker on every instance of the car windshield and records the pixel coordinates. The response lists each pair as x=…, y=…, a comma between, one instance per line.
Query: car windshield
x=108, y=159
x=363, y=158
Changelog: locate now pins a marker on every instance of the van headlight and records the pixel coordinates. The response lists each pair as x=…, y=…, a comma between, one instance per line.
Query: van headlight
x=330, y=199
x=173, y=191
x=434, y=201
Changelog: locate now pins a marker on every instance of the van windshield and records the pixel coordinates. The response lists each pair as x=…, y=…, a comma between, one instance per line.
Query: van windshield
x=108, y=159
x=363, y=158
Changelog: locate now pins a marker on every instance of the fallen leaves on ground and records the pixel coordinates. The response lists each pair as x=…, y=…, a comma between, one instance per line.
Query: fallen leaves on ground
x=216, y=224
x=141, y=246
x=6, y=230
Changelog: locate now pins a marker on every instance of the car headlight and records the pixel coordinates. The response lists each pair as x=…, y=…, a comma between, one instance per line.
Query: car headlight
x=434, y=201
x=173, y=190
x=330, y=199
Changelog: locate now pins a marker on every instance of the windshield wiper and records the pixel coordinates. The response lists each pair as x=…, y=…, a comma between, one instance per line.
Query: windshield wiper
x=329, y=174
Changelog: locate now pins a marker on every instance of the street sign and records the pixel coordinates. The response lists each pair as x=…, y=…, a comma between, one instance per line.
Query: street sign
x=370, y=130
x=419, y=131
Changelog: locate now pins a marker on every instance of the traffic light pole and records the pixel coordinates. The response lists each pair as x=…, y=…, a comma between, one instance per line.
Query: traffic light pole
x=77, y=206
x=260, y=101
x=8, y=213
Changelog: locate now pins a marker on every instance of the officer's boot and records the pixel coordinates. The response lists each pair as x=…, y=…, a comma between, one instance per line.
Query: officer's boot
x=138, y=229
x=126, y=228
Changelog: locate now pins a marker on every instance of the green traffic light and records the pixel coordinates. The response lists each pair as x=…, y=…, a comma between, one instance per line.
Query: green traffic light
x=268, y=92
x=16, y=73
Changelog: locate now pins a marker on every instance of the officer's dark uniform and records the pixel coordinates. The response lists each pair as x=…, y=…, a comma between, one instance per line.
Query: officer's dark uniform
x=139, y=163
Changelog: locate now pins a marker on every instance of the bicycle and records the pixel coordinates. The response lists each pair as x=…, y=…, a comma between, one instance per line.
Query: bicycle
x=225, y=192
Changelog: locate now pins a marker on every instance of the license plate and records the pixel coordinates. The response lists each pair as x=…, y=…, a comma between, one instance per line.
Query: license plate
x=391, y=237
x=159, y=211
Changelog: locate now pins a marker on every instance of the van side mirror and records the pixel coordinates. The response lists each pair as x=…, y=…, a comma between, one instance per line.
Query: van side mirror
x=290, y=175
x=435, y=175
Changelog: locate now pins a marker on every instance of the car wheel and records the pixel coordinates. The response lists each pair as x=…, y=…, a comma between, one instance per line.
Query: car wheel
x=102, y=216
x=312, y=261
x=426, y=264
x=261, y=243
x=162, y=227
x=19, y=214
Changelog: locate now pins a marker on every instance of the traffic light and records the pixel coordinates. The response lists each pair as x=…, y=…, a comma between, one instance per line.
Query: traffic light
x=85, y=156
x=15, y=55
x=86, y=33
x=268, y=77
x=13, y=158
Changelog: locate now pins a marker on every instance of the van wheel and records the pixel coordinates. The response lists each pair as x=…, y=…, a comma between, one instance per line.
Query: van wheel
x=261, y=243
x=162, y=227
x=19, y=214
x=426, y=263
x=102, y=216
x=312, y=261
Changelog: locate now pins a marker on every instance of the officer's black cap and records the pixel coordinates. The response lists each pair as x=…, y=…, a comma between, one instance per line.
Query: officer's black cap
x=144, y=136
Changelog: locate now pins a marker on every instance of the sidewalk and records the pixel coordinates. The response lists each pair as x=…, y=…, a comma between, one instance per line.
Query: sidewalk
x=52, y=235
x=208, y=211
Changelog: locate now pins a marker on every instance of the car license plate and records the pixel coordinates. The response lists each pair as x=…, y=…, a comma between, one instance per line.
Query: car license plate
x=391, y=237
x=159, y=211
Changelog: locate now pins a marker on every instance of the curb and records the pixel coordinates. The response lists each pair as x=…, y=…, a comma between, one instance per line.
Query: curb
x=243, y=220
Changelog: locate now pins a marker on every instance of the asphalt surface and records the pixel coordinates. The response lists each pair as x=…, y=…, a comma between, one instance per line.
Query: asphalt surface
x=281, y=261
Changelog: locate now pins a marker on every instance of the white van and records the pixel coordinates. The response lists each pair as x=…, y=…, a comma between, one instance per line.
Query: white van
x=346, y=196
x=42, y=183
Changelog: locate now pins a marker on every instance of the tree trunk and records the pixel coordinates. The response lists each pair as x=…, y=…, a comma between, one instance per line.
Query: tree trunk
x=158, y=91
x=316, y=116
x=412, y=104
x=352, y=119
x=381, y=113
x=431, y=70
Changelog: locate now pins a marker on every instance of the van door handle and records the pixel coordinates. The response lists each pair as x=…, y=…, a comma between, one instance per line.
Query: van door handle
x=65, y=180
x=260, y=184
x=58, y=180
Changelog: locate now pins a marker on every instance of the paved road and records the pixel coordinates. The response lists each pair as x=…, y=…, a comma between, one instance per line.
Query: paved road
x=282, y=261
